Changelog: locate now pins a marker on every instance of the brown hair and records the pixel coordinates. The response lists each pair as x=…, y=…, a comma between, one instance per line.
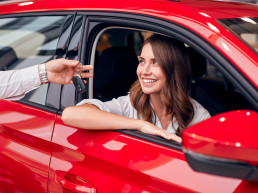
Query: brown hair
x=173, y=59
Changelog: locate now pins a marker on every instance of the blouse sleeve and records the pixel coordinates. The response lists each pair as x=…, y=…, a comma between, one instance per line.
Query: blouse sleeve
x=120, y=106
x=200, y=113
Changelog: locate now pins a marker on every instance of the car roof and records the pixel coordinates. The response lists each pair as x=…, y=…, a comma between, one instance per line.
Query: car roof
x=185, y=8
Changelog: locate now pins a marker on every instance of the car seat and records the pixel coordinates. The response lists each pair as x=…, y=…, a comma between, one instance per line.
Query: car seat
x=114, y=73
x=209, y=91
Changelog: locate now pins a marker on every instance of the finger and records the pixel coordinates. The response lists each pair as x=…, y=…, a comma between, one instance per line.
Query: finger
x=175, y=138
x=171, y=136
x=86, y=74
x=86, y=67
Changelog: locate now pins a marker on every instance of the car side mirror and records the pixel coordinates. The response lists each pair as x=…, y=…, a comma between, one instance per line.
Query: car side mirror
x=225, y=145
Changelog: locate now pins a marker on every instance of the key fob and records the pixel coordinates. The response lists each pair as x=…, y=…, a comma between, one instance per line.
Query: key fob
x=79, y=84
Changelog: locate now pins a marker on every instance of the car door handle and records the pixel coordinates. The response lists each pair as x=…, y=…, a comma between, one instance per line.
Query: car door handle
x=73, y=182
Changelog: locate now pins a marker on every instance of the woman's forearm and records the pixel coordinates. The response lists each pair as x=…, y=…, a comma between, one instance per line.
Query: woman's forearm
x=90, y=117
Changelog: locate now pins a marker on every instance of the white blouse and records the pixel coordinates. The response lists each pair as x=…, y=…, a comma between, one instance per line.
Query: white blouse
x=122, y=106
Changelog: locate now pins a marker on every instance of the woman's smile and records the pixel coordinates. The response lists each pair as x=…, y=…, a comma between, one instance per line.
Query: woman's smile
x=146, y=80
x=149, y=72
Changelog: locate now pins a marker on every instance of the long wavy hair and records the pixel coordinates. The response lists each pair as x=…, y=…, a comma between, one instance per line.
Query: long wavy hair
x=173, y=59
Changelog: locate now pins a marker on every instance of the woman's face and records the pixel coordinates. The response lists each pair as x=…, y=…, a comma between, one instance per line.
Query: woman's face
x=150, y=74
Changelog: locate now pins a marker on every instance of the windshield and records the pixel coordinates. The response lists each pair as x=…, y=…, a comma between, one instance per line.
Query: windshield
x=246, y=28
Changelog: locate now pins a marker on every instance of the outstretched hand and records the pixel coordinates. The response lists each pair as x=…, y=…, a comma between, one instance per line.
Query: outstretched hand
x=61, y=71
x=149, y=128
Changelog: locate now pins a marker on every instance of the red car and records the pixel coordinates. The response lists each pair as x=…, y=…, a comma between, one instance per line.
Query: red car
x=39, y=153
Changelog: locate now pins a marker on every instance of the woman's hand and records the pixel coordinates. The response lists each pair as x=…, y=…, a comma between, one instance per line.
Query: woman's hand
x=149, y=128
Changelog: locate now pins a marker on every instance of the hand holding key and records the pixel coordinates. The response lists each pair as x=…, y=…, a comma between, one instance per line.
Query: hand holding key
x=61, y=71
x=78, y=82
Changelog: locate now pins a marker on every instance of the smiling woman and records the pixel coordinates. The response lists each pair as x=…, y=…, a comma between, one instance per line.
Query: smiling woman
x=103, y=150
x=164, y=75
x=150, y=75
x=159, y=102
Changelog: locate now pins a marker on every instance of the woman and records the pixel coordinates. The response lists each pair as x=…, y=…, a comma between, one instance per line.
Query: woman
x=159, y=102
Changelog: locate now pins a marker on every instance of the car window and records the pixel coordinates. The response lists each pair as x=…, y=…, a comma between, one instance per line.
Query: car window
x=120, y=37
x=246, y=28
x=115, y=52
x=116, y=62
x=26, y=41
x=212, y=89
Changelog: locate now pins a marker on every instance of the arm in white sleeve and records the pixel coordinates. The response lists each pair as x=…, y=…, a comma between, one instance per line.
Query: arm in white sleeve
x=200, y=113
x=119, y=106
x=95, y=115
x=14, y=84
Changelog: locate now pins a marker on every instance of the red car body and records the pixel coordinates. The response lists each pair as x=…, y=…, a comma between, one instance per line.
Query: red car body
x=38, y=153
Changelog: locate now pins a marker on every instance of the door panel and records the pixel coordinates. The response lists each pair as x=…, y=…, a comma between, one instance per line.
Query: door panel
x=109, y=161
x=25, y=131
x=25, y=148
x=114, y=162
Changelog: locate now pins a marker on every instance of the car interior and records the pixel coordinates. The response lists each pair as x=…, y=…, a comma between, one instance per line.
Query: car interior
x=115, y=71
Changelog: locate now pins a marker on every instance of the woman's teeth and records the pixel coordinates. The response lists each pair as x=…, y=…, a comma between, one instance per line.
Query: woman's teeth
x=148, y=80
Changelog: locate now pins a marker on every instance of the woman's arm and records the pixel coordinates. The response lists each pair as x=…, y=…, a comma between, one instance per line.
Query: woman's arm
x=89, y=116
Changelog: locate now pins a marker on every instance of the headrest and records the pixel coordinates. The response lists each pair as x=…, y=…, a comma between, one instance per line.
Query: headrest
x=115, y=72
x=198, y=63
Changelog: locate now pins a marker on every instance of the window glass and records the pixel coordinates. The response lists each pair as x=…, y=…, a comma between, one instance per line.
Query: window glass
x=26, y=41
x=246, y=28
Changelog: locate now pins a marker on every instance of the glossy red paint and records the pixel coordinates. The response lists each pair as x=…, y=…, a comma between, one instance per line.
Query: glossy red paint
x=198, y=16
x=213, y=8
x=101, y=158
x=73, y=182
x=227, y=136
x=25, y=148
x=108, y=161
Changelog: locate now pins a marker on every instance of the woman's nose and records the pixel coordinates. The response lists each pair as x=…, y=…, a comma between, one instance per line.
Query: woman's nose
x=147, y=69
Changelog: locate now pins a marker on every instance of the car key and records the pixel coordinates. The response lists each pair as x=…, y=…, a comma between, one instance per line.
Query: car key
x=78, y=82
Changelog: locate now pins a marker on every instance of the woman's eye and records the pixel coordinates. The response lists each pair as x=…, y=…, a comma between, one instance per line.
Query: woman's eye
x=155, y=63
x=141, y=61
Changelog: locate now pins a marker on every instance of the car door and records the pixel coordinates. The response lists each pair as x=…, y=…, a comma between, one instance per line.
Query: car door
x=26, y=125
x=124, y=161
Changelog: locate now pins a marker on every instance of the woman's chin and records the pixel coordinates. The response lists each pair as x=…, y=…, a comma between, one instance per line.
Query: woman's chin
x=149, y=92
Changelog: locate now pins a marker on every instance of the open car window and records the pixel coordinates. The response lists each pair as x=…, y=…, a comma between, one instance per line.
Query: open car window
x=116, y=63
